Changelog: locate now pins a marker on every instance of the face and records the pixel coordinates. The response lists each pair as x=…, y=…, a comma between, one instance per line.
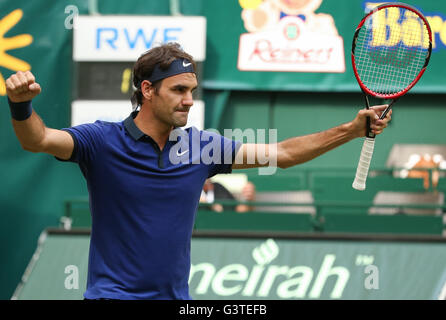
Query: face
x=172, y=102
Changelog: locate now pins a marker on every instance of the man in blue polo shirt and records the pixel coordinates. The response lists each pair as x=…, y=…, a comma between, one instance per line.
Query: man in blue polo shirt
x=145, y=175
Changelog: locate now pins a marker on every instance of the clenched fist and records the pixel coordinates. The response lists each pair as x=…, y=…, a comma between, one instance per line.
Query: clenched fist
x=22, y=86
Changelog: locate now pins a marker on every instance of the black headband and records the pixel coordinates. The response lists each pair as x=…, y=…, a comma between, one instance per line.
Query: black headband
x=176, y=67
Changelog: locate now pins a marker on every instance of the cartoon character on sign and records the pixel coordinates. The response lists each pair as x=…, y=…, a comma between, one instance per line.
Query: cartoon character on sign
x=260, y=15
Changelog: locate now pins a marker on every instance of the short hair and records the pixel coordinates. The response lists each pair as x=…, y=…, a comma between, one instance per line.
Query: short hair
x=162, y=55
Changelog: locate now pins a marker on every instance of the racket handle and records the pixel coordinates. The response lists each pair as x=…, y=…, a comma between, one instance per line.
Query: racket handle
x=364, y=164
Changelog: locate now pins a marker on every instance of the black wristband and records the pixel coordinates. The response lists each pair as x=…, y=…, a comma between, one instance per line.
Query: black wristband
x=20, y=110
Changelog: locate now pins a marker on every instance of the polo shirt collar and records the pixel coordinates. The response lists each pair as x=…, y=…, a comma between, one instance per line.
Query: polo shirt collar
x=131, y=127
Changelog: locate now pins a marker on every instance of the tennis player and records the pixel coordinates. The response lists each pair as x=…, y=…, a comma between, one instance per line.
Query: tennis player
x=142, y=199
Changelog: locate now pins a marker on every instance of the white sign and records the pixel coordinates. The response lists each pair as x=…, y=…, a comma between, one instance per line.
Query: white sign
x=125, y=38
x=88, y=111
x=291, y=46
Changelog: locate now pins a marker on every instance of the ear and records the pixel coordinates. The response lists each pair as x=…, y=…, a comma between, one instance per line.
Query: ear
x=147, y=89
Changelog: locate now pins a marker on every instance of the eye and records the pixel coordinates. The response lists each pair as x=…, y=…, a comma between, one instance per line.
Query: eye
x=180, y=89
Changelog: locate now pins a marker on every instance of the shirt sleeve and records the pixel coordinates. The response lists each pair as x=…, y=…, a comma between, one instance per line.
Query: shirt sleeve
x=221, y=150
x=88, y=139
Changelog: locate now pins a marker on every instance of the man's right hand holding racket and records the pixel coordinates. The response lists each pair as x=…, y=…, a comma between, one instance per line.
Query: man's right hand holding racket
x=391, y=49
x=359, y=124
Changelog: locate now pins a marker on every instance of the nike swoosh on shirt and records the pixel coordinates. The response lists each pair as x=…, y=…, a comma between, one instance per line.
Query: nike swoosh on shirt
x=180, y=154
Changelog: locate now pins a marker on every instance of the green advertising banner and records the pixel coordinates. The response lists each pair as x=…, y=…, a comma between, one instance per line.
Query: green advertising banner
x=321, y=269
x=300, y=45
x=264, y=268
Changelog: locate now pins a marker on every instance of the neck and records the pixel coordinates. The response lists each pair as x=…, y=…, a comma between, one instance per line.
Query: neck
x=157, y=130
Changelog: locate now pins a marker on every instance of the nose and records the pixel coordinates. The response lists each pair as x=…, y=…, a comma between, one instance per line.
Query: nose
x=188, y=100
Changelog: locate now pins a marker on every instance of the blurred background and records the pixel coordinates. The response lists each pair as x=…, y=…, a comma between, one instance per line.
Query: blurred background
x=270, y=64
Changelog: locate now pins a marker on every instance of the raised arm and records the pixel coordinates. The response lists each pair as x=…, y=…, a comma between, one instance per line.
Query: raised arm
x=298, y=150
x=29, y=128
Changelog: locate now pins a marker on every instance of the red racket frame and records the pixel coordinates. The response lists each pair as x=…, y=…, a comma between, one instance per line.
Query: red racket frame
x=400, y=93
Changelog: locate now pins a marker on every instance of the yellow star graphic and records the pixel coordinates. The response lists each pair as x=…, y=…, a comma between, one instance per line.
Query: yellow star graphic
x=6, y=44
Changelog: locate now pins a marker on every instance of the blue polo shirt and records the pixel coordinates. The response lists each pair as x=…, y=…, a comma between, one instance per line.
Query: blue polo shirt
x=143, y=202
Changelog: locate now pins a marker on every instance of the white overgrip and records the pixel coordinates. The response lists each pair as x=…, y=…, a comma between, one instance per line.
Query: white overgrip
x=364, y=164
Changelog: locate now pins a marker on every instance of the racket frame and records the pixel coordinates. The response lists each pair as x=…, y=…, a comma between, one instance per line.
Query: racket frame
x=395, y=96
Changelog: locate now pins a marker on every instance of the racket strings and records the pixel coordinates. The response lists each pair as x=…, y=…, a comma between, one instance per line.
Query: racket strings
x=391, y=50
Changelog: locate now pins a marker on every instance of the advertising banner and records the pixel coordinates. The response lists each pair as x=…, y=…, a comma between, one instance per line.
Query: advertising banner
x=264, y=268
x=124, y=38
x=321, y=269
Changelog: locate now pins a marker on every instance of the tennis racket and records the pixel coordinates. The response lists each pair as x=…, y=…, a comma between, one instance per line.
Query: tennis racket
x=390, y=52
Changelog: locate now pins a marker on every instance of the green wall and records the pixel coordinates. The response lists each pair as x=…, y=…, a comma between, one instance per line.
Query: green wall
x=35, y=186
x=416, y=119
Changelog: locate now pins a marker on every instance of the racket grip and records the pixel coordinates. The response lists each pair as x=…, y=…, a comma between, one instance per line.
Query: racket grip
x=364, y=164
